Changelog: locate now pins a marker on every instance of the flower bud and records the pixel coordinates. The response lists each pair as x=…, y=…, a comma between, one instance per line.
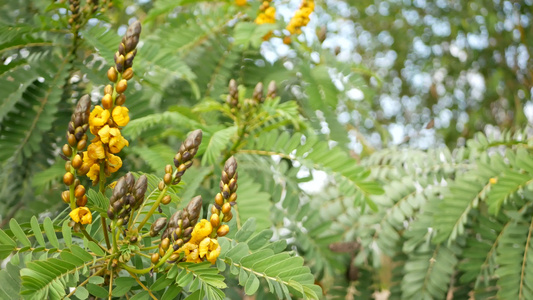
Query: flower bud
x=226, y=208
x=67, y=150
x=72, y=141
x=166, y=200
x=165, y=244
x=140, y=187
x=214, y=210
x=110, y=213
x=215, y=220
x=108, y=90
x=81, y=201
x=161, y=185
x=159, y=224
x=81, y=144
x=161, y=251
x=107, y=101
x=232, y=198
x=65, y=195
x=121, y=99
x=68, y=178
x=128, y=74
x=168, y=169
x=258, y=92
x=155, y=258
x=68, y=165
x=167, y=178
x=219, y=199
x=112, y=74
x=122, y=85
x=271, y=90
x=227, y=217
x=77, y=161
x=223, y=230
x=79, y=191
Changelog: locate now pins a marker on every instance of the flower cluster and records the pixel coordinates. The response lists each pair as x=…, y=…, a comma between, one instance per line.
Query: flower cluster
x=201, y=246
x=106, y=121
x=301, y=17
x=267, y=14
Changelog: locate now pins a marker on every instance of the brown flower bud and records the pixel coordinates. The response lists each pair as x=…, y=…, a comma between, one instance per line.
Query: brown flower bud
x=173, y=257
x=161, y=185
x=79, y=191
x=112, y=74
x=128, y=74
x=215, y=210
x=122, y=85
x=121, y=99
x=232, y=197
x=68, y=178
x=227, y=217
x=72, y=141
x=107, y=101
x=110, y=213
x=219, y=199
x=155, y=258
x=159, y=224
x=271, y=90
x=166, y=200
x=161, y=251
x=81, y=201
x=215, y=220
x=165, y=243
x=81, y=144
x=258, y=92
x=226, y=208
x=68, y=165
x=65, y=196
x=168, y=169
x=139, y=189
x=108, y=90
x=194, y=207
x=223, y=230
x=77, y=161
x=67, y=150
x=231, y=167
x=167, y=178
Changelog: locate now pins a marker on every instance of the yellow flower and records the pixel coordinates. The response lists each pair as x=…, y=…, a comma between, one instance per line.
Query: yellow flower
x=117, y=142
x=201, y=231
x=81, y=215
x=96, y=151
x=98, y=118
x=94, y=172
x=191, y=252
x=120, y=115
x=112, y=136
x=113, y=162
x=240, y=2
x=210, y=249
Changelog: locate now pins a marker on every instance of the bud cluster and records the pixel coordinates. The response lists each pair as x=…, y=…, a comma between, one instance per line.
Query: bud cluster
x=258, y=96
x=178, y=230
x=106, y=121
x=74, y=6
x=184, y=157
x=221, y=211
x=76, y=141
x=128, y=195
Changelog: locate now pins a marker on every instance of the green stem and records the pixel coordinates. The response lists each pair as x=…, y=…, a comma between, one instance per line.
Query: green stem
x=90, y=238
x=146, y=270
x=103, y=216
x=114, y=228
x=154, y=207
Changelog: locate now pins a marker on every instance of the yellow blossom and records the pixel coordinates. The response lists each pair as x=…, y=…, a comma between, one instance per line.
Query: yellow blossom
x=94, y=172
x=112, y=136
x=96, y=151
x=240, y=2
x=201, y=230
x=113, y=162
x=191, y=252
x=98, y=118
x=81, y=215
x=120, y=115
x=210, y=249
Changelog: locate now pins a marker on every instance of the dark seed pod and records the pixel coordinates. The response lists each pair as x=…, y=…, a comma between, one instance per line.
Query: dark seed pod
x=130, y=181
x=140, y=187
x=111, y=213
x=271, y=90
x=194, y=207
x=159, y=224
x=120, y=188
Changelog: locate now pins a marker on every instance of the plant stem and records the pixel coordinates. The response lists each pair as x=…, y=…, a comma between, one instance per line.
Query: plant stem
x=90, y=238
x=142, y=285
x=84, y=283
x=103, y=216
x=114, y=236
x=154, y=207
x=110, y=285
x=146, y=270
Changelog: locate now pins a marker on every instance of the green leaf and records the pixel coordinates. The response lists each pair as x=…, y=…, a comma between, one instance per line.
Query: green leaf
x=67, y=233
x=50, y=232
x=19, y=233
x=216, y=144
x=97, y=290
x=37, y=231
x=252, y=284
x=96, y=249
